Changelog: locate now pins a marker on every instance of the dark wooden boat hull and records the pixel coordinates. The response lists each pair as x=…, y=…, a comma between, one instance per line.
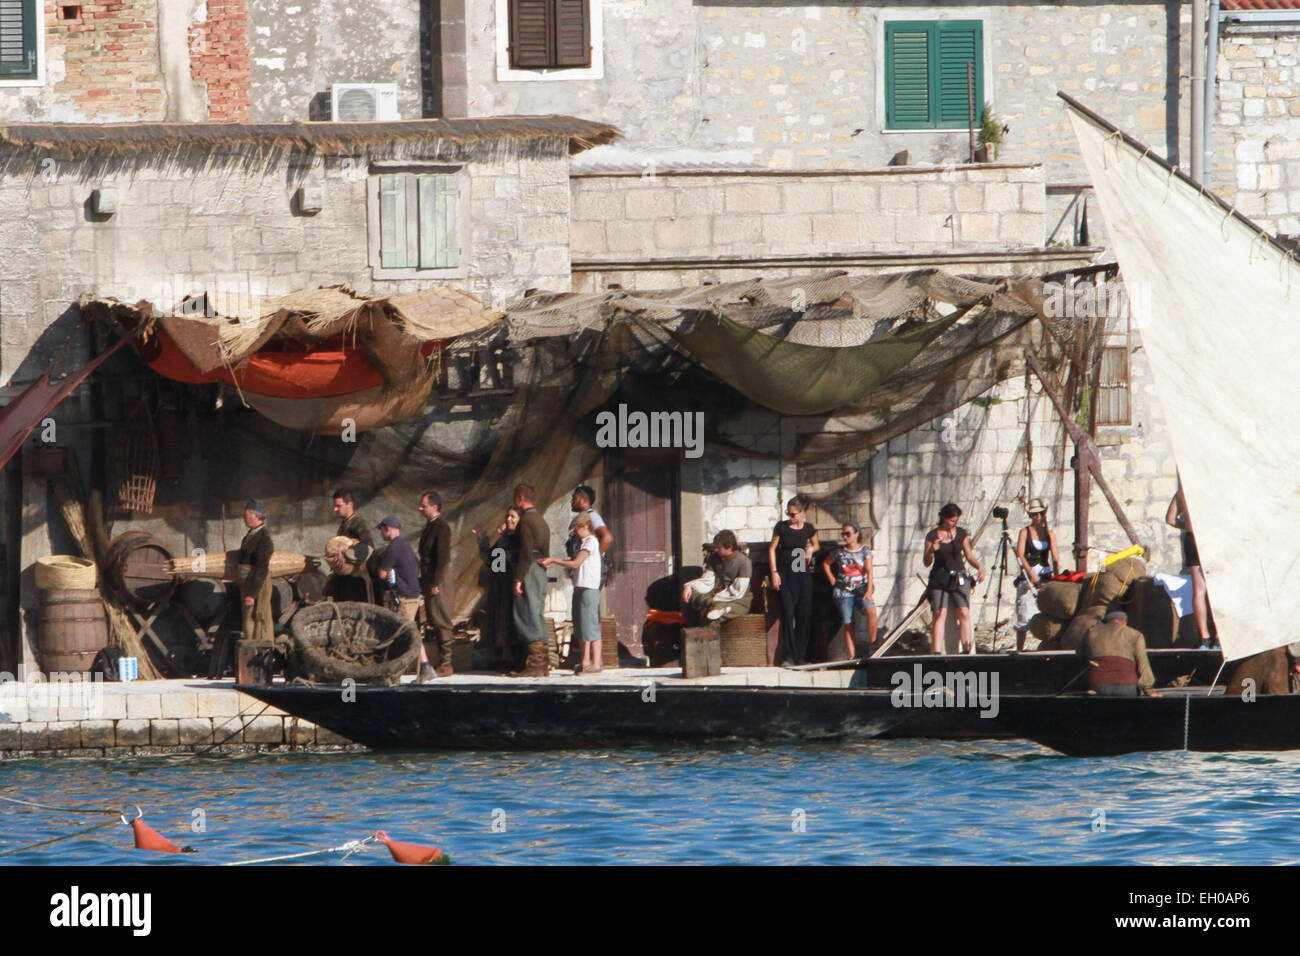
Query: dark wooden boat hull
x=1090, y=726
x=495, y=716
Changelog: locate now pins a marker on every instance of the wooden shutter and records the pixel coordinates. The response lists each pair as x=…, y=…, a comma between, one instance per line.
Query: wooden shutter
x=393, y=224
x=17, y=39
x=572, y=33
x=1113, y=388
x=907, y=75
x=531, y=34
x=439, y=217
x=960, y=43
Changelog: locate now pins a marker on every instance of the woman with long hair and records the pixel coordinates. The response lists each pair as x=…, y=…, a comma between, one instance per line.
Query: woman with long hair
x=947, y=548
x=1039, y=560
x=791, y=550
x=853, y=583
x=500, y=558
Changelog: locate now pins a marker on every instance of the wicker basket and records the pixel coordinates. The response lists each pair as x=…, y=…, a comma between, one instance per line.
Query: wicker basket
x=224, y=565
x=744, y=641
x=609, y=642
x=365, y=642
x=62, y=572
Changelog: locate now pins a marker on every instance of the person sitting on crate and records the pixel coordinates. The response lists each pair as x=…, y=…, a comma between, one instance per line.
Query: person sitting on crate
x=585, y=566
x=853, y=584
x=722, y=591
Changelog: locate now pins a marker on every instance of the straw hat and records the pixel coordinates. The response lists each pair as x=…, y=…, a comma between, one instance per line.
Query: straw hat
x=1035, y=506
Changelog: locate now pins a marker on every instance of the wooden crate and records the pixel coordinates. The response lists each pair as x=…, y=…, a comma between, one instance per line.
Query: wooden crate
x=701, y=652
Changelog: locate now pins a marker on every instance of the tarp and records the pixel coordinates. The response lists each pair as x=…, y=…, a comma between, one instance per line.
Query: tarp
x=1212, y=300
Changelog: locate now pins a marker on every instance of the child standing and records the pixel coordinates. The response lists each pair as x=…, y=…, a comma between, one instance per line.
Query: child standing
x=586, y=593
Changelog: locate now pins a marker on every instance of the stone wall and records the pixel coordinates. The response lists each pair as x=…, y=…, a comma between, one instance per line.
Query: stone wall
x=741, y=215
x=1255, y=161
x=799, y=85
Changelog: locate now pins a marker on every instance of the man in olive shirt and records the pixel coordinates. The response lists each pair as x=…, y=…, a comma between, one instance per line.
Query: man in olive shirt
x=254, y=574
x=435, y=561
x=353, y=584
x=530, y=583
x=1118, y=655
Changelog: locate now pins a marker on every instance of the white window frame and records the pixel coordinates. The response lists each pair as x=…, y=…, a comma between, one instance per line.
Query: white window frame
x=507, y=74
x=375, y=235
x=923, y=14
x=39, y=78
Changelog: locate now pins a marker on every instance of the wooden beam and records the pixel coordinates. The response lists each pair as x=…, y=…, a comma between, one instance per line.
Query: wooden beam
x=1086, y=451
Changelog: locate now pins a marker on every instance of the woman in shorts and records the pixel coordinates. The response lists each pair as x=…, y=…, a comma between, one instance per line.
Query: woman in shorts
x=853, y=583
x=947, y=549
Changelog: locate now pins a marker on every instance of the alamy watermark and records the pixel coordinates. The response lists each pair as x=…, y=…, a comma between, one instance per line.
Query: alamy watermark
x=636, y=429
x=77, y=695
x=959, y=689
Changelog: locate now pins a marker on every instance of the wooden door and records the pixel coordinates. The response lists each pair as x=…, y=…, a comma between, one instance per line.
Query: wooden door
x=642, y=515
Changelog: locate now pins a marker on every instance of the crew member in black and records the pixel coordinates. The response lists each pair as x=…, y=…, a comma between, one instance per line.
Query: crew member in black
x=435, y=563
x=950, y=584
x=790, y=552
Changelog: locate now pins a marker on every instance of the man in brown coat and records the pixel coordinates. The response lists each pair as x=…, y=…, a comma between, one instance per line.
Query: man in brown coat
x=530, y=584
x=435, y=562
x=351, y=579
x=254, y=574
x=1118, y=655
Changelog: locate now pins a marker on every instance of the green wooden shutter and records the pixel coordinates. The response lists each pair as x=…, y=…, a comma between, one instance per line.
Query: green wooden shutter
x=392, y=222
x=17, y=39
x=572, y=33
x=960, y=43
x=531, y=43
x=908, y=75
x=439, y=235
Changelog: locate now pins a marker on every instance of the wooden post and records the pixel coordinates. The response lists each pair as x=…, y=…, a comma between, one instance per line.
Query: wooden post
x=1082, y=494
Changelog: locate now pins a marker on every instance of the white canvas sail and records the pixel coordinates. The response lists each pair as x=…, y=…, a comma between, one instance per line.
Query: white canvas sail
x=1217, y=308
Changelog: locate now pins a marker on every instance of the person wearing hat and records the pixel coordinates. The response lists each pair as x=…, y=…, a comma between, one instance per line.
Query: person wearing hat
x=1039, y=560
x=254, y=574
x=1118, y=657
x=400, y=573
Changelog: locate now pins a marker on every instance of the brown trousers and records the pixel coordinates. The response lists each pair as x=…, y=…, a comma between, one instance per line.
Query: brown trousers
x=437, y=622
x=257, y=622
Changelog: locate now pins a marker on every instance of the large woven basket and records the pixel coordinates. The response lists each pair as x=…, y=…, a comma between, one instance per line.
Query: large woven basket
x=338, y=640
x=62, y=572
x=744, y=641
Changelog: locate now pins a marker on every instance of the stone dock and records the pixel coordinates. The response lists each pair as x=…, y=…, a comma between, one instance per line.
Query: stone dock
x=106, y=719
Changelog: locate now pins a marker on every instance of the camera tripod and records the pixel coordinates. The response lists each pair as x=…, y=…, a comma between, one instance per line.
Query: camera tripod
x=1003, y=545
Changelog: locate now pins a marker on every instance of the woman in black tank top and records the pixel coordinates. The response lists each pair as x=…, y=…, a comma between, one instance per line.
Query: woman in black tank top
x=947, y=548
x=1039, y=558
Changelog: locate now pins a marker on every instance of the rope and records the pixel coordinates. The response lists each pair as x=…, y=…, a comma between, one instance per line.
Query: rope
x=47, y=806
x=1216, y=678
x=347, y=849
x=1187, y=718
x=69, y=836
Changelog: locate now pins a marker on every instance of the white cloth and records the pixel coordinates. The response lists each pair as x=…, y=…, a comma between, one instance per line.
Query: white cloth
x=1179, y=589
x=587, y=574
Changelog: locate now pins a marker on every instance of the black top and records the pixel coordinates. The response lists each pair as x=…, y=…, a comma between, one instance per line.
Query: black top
x=256, y=550
x=788, y=541
x=435, y=552
x=1036, y=556
x=401, y=556
x=949, y=556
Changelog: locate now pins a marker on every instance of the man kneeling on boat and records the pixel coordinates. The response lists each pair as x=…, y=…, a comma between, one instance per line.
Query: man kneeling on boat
x=1118, y=657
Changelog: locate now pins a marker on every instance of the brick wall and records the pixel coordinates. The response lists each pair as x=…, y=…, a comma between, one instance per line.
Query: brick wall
x=110, y=60
x=219, y=58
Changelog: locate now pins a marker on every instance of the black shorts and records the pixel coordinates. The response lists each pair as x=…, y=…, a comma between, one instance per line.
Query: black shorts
x=1191, y=557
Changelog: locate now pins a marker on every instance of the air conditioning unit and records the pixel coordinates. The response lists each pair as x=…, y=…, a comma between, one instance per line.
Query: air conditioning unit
x=363, y=102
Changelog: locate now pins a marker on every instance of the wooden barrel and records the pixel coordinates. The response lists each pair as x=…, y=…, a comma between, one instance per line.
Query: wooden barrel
x=137, y=569
x=206, y=600
x=73, y=630
x=609, y=642
x=744, y=641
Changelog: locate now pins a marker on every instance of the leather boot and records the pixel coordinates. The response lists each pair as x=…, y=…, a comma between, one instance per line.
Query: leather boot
x=536, y=664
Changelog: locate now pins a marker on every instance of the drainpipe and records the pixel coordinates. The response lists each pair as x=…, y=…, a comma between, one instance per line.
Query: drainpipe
x=1211, y=84
x=1198, y=90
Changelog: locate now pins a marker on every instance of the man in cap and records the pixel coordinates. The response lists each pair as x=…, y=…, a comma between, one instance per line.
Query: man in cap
x=1118, y=657
x=351, y=580
x=254, y=574
x=435, y=563
x=400, y=572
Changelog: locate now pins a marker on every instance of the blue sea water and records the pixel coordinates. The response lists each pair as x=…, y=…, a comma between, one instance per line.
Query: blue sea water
x=906, y=801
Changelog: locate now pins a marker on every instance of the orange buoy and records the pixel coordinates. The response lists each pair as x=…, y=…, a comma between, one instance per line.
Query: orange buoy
x=412, y=852
x=147, y=838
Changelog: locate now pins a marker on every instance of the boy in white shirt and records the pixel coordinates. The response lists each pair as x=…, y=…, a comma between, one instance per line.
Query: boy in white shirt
x=586, y=593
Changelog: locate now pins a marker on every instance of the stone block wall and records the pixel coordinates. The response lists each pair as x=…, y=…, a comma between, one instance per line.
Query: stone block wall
x=743, y=215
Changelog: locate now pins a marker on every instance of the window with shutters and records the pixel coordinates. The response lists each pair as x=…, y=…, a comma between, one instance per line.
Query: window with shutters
x=416, y=222
x=1113, y=388
x=19, y=41
x=934, y=71
x=549, y=39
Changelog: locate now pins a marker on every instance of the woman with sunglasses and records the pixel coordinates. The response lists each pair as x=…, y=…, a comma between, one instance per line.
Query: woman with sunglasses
x=1039, y=558
x=853, y=583
x=950, y=585
x=794, y=542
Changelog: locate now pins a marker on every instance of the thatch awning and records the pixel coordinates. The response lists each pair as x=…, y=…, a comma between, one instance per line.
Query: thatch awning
x=80, y=139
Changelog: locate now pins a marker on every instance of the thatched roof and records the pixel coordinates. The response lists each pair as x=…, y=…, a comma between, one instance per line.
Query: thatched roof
x=80, y=139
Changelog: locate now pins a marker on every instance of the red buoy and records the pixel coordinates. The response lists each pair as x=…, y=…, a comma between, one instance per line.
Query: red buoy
x=412, y=852
x=147, y=838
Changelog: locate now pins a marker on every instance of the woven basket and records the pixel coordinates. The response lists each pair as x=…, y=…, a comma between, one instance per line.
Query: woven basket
x=62, y=572
x=609, y=642
x=224, y=565
x=744, y=641
x=365, y=642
